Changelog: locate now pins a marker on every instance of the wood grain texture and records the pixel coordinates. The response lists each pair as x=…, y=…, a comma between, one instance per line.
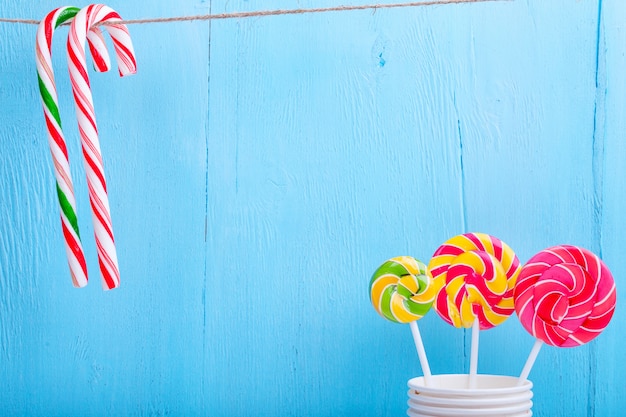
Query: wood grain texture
x=606, y=366
x=260, y=170
x=136, y=351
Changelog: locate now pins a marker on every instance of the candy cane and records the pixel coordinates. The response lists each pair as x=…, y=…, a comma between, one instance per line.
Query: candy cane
x=56, y=140
x=84, y=20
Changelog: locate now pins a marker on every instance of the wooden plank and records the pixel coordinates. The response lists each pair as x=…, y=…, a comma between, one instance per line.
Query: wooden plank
x=135, y=350
x=607, y=366
x=333, y=146
x=525, y=97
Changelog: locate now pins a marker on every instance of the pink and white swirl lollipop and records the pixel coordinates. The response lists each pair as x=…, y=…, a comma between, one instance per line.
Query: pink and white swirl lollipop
x=565, y=296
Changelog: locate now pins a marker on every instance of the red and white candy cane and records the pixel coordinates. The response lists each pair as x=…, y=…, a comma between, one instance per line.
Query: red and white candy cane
x=98, y=197
x=56, y=139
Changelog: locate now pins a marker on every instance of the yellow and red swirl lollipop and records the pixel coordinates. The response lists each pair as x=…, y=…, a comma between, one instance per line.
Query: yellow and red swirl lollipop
x=476, y=274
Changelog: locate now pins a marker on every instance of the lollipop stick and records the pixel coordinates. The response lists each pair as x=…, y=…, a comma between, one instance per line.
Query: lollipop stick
x=474, y=355
x=421, y=353
x=530, y=362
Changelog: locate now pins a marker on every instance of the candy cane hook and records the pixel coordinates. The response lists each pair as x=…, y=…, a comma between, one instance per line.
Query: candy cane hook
x=56, y=139
x=85, y=19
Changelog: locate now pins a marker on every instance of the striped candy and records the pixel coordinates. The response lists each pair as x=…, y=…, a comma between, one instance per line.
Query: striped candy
x=401, y=291
x=565, y=296
x=476, y=275
x=56, y=139
x=84, y=20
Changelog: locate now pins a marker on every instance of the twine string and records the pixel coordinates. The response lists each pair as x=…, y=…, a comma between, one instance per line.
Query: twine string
x=278, y=12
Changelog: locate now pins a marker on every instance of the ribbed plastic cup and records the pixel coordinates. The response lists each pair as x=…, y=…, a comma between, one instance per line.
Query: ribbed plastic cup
x=450, y=396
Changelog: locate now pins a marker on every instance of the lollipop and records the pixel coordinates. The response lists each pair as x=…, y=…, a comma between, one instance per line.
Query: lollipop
x=565, y=296
x=401, y=291
x=476, y=274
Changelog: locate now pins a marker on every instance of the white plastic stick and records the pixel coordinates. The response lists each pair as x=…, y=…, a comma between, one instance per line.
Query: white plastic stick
x=530, y=362
x=474, y=354
x=421, y=353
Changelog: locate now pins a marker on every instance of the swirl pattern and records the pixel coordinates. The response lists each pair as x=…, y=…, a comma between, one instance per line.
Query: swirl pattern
x=475, y=274
x=565, y=296
x=401, y=290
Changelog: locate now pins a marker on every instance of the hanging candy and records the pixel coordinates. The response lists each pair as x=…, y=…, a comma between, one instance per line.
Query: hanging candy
x=56, y=138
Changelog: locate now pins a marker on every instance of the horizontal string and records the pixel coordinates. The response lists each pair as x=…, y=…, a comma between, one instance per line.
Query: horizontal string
x=262, y=13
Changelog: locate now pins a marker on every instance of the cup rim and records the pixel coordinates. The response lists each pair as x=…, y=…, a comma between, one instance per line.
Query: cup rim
x=475, y=401
x=436, y=389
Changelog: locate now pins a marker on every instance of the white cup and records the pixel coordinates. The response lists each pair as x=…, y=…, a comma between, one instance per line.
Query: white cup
x=450, y=396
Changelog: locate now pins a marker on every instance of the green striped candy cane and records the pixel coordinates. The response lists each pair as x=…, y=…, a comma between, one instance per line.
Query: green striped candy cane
x=56, y=139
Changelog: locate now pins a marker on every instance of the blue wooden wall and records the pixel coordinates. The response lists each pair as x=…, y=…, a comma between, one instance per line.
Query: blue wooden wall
x=260, y=170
